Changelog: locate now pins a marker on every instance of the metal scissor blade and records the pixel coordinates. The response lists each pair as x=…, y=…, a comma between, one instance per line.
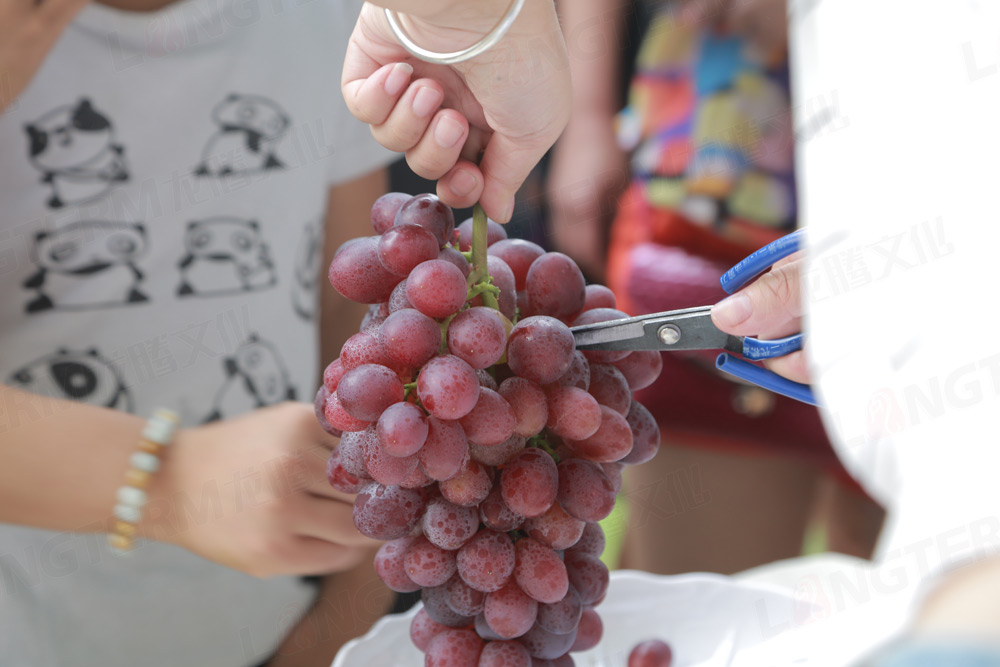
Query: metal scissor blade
x=687, y=329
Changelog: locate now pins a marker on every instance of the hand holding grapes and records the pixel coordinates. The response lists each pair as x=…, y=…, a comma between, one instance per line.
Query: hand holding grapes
x=251, y=493
x=501, y=104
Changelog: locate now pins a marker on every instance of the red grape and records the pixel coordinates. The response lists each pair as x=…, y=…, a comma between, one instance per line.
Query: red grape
x=448, y=525
x=398, y=299
x=454, y=648
x=529, y=482
x=449, y=254
x=519, y=255
x=436, y=288
x=428, y=564
x=352, y=449
x=543, y=644
x=332, y=374
x=477, y=336
x=539, y=571
x=357, y=274
x=611, y=442
x=555, y=286
x=319, y=409
x=496, y=515
x=495, y=232
x=363, y=347
x=585, y=492
x=387, y=512
x=561, y=617
x=528, y=402
x=610, y=388
x=402, y=429
x=540, y=349
x=435, y=601
x=339, y=418
x=486, y=562
x=469, y=487
x=464, y=599
x=339, y=478
x=410, y=338
x=599, y=296
x=428, y=212
x=641, y=368
x=385, y=209
x=614, y=471
x=491, y=421
x=588, y=633
x=497, y=455
x=555, y=529
x=504, y=654
x=445, y=450
x=417, y=479
x=448, y=387
x=651, y=653
x=588, y=575
x=503, y=278
x=578, y=373
x=591, y=542
x=385, y=468
x=404, y=246
x=389, y=565
x=645, y=434
x=509, y=611
x=423, y=628
x=573, y=413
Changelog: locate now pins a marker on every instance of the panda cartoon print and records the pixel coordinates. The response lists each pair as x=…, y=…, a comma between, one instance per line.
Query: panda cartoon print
x=87, y=265
x=255, y=377
x=305, y=286
x=86, y=377
x=224, y=256
x=74, y=148
x=249, y=129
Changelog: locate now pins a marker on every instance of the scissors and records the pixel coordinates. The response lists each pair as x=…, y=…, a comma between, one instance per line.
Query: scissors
x=692, y=329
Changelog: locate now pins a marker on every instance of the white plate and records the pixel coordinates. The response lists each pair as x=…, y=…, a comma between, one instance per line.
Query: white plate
x=707, y=619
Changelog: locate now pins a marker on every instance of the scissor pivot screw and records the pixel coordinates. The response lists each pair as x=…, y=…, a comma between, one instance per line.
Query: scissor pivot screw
x=669, y=334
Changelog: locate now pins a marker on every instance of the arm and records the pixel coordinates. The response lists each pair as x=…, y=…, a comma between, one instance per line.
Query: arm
x=589, y=170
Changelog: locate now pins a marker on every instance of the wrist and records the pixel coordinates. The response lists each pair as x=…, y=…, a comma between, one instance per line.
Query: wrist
x=158, y=521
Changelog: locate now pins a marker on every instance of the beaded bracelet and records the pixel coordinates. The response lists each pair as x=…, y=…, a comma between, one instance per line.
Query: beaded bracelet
x=157, y=434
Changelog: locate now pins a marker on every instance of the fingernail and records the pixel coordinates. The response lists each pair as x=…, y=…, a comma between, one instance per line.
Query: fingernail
x=448, y=132
x=462, y=183
x=426, y=101
x=732, y=311
x=397, y=78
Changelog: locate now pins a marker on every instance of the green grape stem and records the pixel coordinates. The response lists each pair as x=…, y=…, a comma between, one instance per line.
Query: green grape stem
x=479, y=280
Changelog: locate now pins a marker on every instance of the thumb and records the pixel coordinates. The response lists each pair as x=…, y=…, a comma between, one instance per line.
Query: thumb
x=770, y=307
x=505, y=166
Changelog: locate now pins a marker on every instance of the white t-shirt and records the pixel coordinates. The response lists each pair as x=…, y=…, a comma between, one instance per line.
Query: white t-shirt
x=163, y=189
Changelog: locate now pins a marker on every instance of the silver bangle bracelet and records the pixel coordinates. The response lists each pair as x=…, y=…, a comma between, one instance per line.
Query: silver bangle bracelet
x=437, y=58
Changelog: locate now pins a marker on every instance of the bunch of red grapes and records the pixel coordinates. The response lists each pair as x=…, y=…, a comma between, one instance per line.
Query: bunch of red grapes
x=484, y=448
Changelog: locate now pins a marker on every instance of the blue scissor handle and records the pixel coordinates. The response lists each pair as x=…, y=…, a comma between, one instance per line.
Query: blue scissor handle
x=755, y=349
x=769, y=349
x=760, y=261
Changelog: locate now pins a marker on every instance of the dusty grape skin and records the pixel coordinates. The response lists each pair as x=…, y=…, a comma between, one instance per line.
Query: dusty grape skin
x=458, y=259
x=339, y=418
x=362, y=348
x=529, y=404
x=389, y=565
x=497, y=455
x=509, y=611
x=410, y=338
x=436, y=288
x=519, y=255
x=529, y=482
x=588, y=575
x=578, y=373
x=401, y=248
x=651, y=653
x=448, y=387
x=503, y=278
x=545, y=645
x=448, y=525
x=385, y=208
x=495, y=233
x=428, y=564
x=464, y=599
x=573, y=413
x=539, y=571
x=610, y=388
x=496, y=515
x=427, y=211
x=491, y=421
x=402, y=429
x=352, y=449
x=387, y=513
x=385, y=468
x=445, y=451
x=417, y=479
x=540, y=349
x=599, y=296
x=477, y=337
x=562, y=617
x=588, y=633
x=357, y=274
x=484, y=630
x=602, y=315
x=555, y=529
x=591, y=543
x=332, y=374
x=614, y=472
x=469, y=487
x=454, y=648
x=504, y=654
x=585, y=492
x=641, y=368
x=486, y=562
x=435, y=601
x=611, y=442
x=555, y=286
x=319, y=409
x=398, y=299
x=423, y=628
x=645, y=434
x=339, y=478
